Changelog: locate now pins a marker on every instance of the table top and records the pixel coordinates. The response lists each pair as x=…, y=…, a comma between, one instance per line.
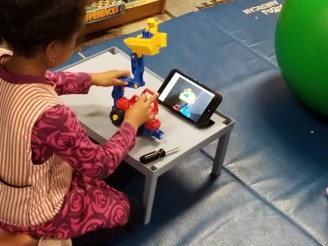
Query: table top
x=93, y=112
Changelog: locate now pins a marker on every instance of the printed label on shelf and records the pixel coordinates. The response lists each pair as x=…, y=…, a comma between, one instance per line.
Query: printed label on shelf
x=104, y=9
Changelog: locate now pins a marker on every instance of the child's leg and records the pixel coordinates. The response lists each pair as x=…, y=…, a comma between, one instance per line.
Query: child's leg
x=89, y=205
x=113, y=236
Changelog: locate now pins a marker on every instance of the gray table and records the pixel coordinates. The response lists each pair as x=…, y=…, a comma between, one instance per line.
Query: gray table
x=93, y=110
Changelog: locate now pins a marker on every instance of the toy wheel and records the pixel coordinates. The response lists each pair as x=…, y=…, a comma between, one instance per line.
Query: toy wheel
x=116, y=116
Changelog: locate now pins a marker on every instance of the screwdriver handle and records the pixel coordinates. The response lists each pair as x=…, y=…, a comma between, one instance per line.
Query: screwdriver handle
x=152, y=156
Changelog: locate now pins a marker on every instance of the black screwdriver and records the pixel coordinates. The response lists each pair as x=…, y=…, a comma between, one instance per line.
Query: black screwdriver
x=152, y=156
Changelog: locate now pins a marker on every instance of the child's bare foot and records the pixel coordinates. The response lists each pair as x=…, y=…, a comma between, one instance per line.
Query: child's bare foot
x=20, y=239
x=54, y=242
x=11, y=239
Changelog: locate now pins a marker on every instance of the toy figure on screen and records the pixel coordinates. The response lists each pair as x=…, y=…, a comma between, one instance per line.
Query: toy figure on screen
x=148, y=43
x=187, y=98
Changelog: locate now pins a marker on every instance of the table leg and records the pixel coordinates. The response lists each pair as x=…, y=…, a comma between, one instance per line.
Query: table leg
x=148, y=195
x=220, y=153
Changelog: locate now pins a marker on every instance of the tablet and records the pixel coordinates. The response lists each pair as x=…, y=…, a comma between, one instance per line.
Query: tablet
x=188, y=98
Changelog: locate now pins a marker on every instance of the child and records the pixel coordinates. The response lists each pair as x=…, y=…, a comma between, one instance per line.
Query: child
x=51, y=173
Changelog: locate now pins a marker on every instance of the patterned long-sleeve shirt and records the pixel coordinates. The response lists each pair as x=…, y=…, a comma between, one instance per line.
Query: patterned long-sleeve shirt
x=58, y=130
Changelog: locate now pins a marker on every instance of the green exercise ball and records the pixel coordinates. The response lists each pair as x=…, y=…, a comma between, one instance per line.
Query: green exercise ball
x=301, y=43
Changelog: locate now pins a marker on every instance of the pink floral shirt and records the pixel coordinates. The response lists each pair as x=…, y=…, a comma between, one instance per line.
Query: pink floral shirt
x=58, y=131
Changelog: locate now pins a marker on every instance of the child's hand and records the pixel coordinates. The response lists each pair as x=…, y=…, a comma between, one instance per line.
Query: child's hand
x=141, y=111
x=110, y=78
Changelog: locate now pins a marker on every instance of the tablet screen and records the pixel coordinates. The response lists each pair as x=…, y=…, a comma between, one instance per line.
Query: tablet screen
x=186, y=97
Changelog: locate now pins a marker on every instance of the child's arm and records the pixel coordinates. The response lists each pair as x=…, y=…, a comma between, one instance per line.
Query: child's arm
x=79, y=83
x=69, y=82
x=58, y=131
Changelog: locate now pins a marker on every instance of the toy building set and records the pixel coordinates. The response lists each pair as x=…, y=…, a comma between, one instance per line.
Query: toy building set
x=148, y=43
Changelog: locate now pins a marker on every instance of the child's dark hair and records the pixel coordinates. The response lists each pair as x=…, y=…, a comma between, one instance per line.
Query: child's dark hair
x=28, y=25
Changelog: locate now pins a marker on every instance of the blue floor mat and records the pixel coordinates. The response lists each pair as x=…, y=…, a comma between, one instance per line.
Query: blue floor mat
x=271, y=191
x=192, y=208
